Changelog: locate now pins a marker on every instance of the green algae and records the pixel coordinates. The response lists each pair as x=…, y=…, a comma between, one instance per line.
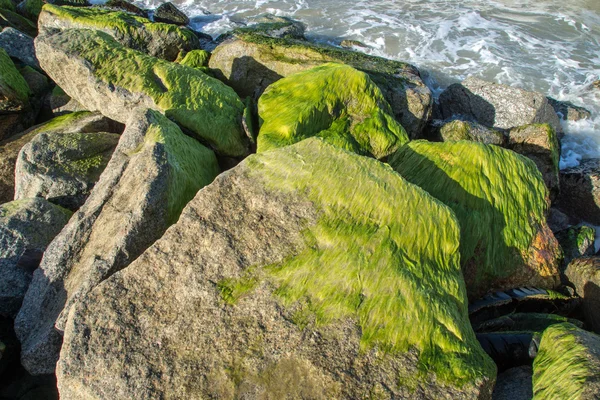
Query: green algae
x=31, y=9
x=12, y=84
x=197, y=102
x=192, y=166
x=14, y=20
x=332, y=101
x=383, y=253
x=7, y=5
x=196, y=59
x=565, y=363
x=62, y=121
x=498, y=196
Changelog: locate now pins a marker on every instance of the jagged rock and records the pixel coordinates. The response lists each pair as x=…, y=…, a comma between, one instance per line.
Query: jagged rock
x=539, y=143
x=514, y=384
x=497, y=106
x=501, y=202
x=579, y=197
x=332, y=101
x=576, y=242
x=13, y=20
x=154, y=171
x=568, y=111
x=156, y=39
x=467, y=130
x=102, y=75
x=26, y=227
x=57, y=103
x=18, y=45
x=30, y=9
x=567, y=365
x=274, y=26
x=584, y=274
x=63, y=167
x=170, y=14
x=16, y=113
x=126, y=6
x=250, y=61
x=271, y=287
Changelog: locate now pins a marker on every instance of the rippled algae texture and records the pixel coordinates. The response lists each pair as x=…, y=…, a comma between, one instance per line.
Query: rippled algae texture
x=195, y=59
x=384, y=252
x=12, y=84
x=567, y=365
x=204, y=105
x=335, y=102
x=500, y=199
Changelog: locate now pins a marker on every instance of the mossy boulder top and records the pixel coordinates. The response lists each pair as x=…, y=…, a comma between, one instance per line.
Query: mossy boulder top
x=332, y=101
x=14, y=91
x=251, y=61
x=157, y=39
x=473, y=131
x=98, y=72
x=500, y=200
x=343, y=282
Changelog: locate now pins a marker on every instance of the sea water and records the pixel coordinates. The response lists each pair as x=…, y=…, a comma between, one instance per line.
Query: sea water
x=549, y=46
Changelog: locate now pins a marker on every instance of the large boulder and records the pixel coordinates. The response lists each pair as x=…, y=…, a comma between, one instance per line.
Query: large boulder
x=84, y=122
x=332, y=101
x=18, y=45
x=26, y=227
x=154, y=171
x=168, y=13
x=249, y=62
x=584, y=274
x=501, y=202
x=343, y=282
x=579, y=197
x=102, y=75
x=497, y=106
x=467, y=130
x=63, y=167
x=567, y=365
x=157, y=39
x=539, y=143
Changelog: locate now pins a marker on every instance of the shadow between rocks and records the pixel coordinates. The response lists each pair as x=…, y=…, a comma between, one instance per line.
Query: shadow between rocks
x=457, y=100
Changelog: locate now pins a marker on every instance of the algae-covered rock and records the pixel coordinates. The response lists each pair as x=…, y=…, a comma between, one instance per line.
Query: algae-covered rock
x=500, y=200
x=577, y=241
x=12, y=19
x=27, y=226
x=467, y=130
x=157, y=39
x=250, y=61
x=539, y=143
x=124, y=5
x=274, y=26
x=332, y=101
x=196, y=59
x=18, y=45
x=579, y=197
x=497, y=106
x=102, y=75
x=168, y=13
x=154, y=171
x=584, y=274
x=63, y=167
x=14, y=91
x=30, y=9
x=271, y=287
x=567, y=365
x=7, y=5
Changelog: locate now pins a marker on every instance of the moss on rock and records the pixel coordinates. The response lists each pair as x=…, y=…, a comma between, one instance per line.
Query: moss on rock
x=14, y=20
x=14, y=91
x=7, y=5
x=567, y=365
x=500, y=200
x=465, y=130
x=196, y=59
x=30, y=9
x=332, y=101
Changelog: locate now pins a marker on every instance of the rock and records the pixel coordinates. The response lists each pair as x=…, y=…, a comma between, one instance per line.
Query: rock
x=567, y=365
x=102, y=75
x=72, y=3
x=38, y=83
x=501, y=202
x=154, y=171
x=539, y=143
x=63, y=167
x=8, y=5
x=332, y=101
x=466, y=130
x=30, y=9
x=577, y=241
x=196, y=59
x=497, y=106
x=349, y=44
x=274, y=26
x=514, y=384
x=584, y=275
x=10, y=148
x=13, y=20
x=249, y=62
x=124, y=5
x=523, y=322
x=158, y=40
x=18, y=45
x=568, y=111
x=579, y=197
x=170, y=14
x=26, y=227
x=57, y=103
x=557, y=220
x=247, y=309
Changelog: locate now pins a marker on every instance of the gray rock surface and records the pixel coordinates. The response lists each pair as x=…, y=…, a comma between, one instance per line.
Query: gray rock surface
x=580, y=192
x=569, y=111
x=153, y=172
x=26, y=227
x=18, y=45
x=57, y=103
x=497, y=106
x=584, y=274
x=63, y=167
x=557, y=220
x=275, y=26
x=168, y=13
x=252, y=293
x=514, y=384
